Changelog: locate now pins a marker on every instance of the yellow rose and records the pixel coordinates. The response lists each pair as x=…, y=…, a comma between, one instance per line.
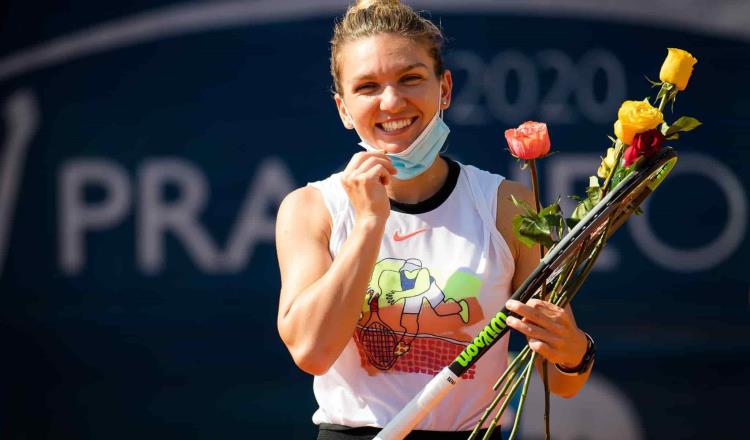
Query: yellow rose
x=636, y=117
x=677, y=68
x=608, y=163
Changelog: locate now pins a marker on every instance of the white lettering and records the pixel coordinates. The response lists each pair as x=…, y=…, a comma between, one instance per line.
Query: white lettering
x=722, y=247
x=257, y=222
x=77, y=216
x=157, y=216
x=21, y=116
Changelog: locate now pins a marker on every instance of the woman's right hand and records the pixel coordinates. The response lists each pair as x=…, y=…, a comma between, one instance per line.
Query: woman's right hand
x=364, y=181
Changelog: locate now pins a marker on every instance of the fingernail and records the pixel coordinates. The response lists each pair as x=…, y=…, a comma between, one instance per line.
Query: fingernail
x=510, y=320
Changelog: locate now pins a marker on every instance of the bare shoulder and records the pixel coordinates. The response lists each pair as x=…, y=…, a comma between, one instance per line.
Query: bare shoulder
x=509, y=188
x=506, y=210
x=303, y=212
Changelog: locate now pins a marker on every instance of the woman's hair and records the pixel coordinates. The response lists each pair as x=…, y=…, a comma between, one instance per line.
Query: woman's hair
x=372, y=17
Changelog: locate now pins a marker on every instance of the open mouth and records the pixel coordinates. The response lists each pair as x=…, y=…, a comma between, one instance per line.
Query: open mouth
x=396, y=126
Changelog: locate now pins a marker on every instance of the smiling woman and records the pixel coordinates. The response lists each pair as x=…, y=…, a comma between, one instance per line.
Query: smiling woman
x=389, y=267
x=389, y=92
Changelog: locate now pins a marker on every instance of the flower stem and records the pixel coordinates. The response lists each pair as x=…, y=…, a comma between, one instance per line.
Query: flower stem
x=663, y=101
x=535, y=184
x=524, y=390
x=511, y=391
x=545, y=378
x=535, y=187
x=513, y=365
x=537, y=199
x=619, y=150
x=506, y=379
x=566, y=273
x=569, y=293
x=538, y=202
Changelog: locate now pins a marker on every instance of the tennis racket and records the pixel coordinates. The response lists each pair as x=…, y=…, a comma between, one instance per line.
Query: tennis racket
x=378, y=339
x=577, y=247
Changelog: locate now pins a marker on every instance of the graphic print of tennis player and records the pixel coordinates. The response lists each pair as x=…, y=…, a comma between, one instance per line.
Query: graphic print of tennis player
x=396, y=280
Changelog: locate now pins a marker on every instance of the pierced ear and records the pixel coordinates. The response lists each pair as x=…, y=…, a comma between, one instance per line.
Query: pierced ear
x=446, y=87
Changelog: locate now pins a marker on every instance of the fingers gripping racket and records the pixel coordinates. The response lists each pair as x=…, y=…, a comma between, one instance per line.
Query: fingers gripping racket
x=577, y=247
x=378, y=339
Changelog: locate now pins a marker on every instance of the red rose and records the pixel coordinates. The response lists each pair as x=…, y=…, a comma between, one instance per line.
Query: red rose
x=529, y=141
x=644, y=145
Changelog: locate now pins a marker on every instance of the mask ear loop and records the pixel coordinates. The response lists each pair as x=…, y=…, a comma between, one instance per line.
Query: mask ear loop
x=441, y=103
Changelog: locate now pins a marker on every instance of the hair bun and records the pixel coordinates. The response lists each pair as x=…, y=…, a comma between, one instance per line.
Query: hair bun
x=364, y=4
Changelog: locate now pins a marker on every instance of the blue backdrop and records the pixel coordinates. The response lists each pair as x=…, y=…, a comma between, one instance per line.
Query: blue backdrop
x=144, y=150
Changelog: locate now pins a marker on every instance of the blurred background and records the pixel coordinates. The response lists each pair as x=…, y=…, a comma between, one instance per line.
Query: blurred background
x=145, y=146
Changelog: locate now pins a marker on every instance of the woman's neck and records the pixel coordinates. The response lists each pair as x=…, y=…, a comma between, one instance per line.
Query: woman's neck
x=421, y=187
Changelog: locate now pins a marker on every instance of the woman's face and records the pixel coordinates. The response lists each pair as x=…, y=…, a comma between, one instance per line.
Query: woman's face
x=389, y=90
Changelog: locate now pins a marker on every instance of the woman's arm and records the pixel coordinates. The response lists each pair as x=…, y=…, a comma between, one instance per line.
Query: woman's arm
x=321, y=299
x=552, y=331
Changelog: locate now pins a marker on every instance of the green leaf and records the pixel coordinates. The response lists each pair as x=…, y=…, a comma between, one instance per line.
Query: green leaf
x=673, y=137
x=685, y=123
x=522, y=204
x=664, y=128
x=653, y=83
x=646, y=100
x=530, y=229
x=594, y=194
x=544, y=228
x=620, y=174
x=581, y=210
x=551, y=209
x=571, y=222
x=614, y=141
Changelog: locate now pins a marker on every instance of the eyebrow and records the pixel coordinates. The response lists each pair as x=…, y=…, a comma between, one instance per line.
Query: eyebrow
x=400, y=71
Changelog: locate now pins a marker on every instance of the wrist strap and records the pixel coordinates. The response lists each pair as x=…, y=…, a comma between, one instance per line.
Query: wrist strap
x=585, y=364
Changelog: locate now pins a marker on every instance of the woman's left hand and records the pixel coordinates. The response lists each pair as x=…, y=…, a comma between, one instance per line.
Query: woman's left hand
x=551, y=330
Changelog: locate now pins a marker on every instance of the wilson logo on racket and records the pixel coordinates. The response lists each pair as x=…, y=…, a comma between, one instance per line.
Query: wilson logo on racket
x=486, y=337
x=377, y=338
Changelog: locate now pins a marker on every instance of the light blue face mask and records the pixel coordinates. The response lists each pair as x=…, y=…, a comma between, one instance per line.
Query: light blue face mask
x=421, y=153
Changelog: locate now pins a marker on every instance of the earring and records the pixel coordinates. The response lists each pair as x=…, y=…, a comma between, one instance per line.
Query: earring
x=445, y=101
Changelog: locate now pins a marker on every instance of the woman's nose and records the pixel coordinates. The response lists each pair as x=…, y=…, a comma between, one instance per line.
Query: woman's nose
x=391, y=100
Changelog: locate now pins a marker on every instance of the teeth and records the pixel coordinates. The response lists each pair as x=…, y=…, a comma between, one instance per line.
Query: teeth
x=395, y=125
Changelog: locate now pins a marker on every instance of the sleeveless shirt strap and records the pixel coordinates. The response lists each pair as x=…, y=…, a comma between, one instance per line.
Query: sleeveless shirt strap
x=484, y=186
x=337, y=203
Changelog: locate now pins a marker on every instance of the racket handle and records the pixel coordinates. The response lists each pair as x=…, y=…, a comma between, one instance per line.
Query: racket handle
x=419, y=406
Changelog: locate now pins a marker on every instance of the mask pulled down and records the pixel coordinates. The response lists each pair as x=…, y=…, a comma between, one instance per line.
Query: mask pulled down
x=420, y=155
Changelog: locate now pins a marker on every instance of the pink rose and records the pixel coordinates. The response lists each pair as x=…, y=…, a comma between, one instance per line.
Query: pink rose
x=529, y=141
x=644, y=144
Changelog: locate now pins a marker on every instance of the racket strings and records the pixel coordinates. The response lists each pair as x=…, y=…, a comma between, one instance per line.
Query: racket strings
x=379, y=342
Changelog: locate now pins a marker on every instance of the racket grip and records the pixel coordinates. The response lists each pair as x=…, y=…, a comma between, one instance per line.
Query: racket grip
x=419, y=406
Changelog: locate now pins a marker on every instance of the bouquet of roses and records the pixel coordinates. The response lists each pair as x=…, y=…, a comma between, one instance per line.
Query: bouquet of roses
x=640, y=132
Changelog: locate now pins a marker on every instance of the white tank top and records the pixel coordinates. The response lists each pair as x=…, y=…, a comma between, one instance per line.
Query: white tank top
x=440, y=276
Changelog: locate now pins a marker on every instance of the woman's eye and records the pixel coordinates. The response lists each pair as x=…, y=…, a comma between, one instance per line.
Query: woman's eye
x=365, y=87
x=411, y=79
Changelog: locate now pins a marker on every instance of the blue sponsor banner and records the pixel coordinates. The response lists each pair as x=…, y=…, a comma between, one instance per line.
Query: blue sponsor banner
x=144, y=151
